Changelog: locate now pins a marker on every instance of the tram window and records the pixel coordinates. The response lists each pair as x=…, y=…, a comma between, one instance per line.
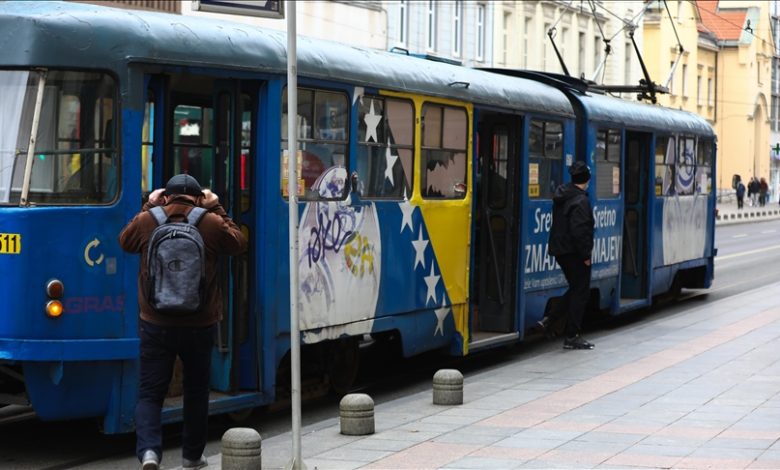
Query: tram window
x=444, y=132
x=607, y=161
x=193, y=139
x=75, y=158
x=664, y=166
x=704, y=167
x=385, y=147
x=147, y=146
x=685, y=166
x=545, y=156
x=323, y=134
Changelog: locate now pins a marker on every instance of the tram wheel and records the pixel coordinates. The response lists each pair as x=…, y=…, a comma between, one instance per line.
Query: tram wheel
x=343, y=364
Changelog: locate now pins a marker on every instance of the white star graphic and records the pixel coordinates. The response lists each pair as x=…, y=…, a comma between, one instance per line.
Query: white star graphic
x=406, y=214
x=441, y=314
x=419, y=249
x=390, y=159
x=372, y=121
x=431, y=281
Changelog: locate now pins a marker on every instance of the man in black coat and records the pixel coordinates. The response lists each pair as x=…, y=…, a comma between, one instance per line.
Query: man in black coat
x=571, y=243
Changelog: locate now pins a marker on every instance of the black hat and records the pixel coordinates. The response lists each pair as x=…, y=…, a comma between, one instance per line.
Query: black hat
x=183, y=184
x=580, y=173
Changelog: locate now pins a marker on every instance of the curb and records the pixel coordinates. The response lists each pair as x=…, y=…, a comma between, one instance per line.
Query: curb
x=746, y=216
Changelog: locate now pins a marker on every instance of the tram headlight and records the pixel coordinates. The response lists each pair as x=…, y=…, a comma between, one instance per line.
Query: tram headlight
x=55, y=289
x=54, y=308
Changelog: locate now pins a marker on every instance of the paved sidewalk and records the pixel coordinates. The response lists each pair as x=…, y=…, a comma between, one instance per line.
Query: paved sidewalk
x=729, y=214
x=698, y=389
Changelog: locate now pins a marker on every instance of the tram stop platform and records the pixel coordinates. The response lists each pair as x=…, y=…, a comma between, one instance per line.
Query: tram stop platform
x=696, y=389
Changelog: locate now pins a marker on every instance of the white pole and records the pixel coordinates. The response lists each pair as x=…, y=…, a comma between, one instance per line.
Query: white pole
x=292, y=192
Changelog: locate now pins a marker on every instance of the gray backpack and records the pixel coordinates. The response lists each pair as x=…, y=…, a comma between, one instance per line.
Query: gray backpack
x=176, y=259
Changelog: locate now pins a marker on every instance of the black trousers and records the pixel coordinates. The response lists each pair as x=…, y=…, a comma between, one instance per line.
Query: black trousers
x=159, y=348
x=572, y=309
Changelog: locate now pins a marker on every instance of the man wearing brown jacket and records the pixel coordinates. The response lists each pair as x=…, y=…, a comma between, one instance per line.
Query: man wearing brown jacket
x=191, y=337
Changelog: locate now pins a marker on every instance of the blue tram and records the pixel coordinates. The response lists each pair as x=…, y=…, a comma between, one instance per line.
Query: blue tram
x=425, y=200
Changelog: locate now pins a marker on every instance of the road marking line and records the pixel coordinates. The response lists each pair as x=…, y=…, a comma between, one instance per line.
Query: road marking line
x=768, y=231
x=741, y=235
x=751, y=252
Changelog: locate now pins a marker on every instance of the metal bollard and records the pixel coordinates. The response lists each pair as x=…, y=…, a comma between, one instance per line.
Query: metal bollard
x=356, y=411
x=241, y=449
x=447, y=387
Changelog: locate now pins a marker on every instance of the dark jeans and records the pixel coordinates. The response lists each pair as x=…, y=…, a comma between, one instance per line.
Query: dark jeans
x=159, y=348
x=576, y=297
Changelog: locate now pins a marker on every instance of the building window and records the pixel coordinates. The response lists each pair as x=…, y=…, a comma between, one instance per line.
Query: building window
x=671, y=79
x=581, y=56
x=444, y=143
x=546, y=51
x=627, y=64
x=698, y=90
x=430, y=30
x=596, y=52
x=403, y=22
x=710, y=100
x=505, y=36
x=457, y=28
x=480, y=31
x=526, y=35
x=685, y=81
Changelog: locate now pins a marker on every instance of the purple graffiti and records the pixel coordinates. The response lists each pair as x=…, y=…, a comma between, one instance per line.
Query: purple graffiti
x=329, y=234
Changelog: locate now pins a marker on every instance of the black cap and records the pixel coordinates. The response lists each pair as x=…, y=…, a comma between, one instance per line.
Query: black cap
x=580, y=173
x=183, y=184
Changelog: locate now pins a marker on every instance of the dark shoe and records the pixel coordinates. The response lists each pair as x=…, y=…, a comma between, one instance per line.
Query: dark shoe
x=546, y=328
x=150, y=460
x=187, y=464
x=577, y=342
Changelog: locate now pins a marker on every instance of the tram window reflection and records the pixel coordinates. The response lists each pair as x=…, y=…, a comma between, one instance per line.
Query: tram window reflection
x=385, y=147
x=606, y=158
x=75, y=147
x=444, y=131
x=545, y=158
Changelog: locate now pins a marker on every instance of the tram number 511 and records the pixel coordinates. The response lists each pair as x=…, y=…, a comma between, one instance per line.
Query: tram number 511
x=10, y=243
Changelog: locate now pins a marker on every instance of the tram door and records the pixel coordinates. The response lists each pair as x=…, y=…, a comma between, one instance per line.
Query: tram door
x=498, y=234
x=207, y=127
x=634, y=269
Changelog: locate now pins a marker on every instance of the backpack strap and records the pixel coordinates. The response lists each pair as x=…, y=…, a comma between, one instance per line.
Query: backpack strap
x=197, y=213
x=159, y=215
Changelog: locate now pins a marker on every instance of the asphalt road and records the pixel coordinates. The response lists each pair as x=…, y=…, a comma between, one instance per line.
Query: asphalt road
x=748, y=258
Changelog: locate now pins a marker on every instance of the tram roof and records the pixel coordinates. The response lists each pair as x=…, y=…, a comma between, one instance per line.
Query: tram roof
x=643, y=116
x=80, y=35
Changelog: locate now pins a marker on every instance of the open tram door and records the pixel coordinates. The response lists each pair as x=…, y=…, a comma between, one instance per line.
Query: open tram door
x=206, y=127
x=497, y=230
x=634, y=281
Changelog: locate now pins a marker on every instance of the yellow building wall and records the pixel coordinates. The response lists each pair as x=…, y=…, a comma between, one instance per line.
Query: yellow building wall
x=729, y=85
x=744, y=79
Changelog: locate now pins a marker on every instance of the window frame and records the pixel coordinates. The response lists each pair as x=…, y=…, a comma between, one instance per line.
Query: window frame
x=544, y=156
x=410, y=147
x=608, y=131
x=423, y=160
x=304, y=140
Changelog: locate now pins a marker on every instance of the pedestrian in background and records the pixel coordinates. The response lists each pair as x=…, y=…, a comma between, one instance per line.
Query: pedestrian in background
x=763, y=190
x=740, y=194
x=191, y=337
x=753, y=189
x=571, y=243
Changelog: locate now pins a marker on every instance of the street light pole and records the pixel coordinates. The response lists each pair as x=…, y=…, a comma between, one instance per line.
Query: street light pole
x=292, y=194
